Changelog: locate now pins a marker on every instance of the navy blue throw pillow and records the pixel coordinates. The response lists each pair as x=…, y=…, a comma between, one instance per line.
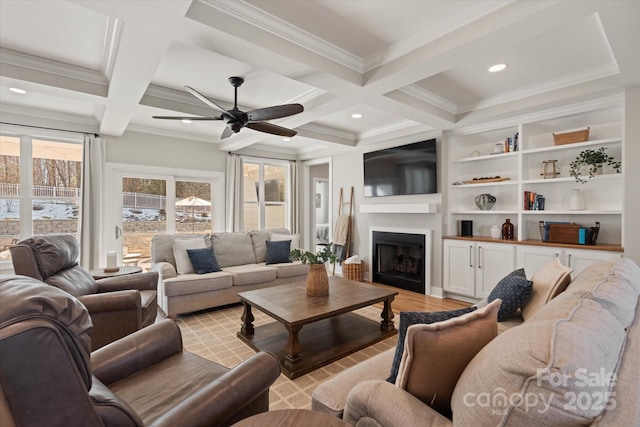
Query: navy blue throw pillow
x=203, y=260
x=408, y=318
x=514, y=290
x=278, y=251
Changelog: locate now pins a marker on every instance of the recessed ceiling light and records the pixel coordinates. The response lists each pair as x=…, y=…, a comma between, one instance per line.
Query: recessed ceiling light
x=356, y=115
x=497, y=67
x=17, y=90
x=186, y=121
x=286, y=139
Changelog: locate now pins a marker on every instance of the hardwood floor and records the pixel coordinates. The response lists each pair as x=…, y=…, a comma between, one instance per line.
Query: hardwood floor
x=412, y=301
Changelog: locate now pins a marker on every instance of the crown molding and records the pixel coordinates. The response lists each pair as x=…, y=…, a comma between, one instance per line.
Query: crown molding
x=329, y=131
x=267, y=22
x=111, y=45
x=426, y=36
x=430, y=98
x=19, y=59
x=549, y=86
x=385, y=130
x=566, y=110
x=173, y=134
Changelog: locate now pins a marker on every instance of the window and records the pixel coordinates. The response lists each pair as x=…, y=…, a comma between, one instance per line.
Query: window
x=266, y=188
x=40, y=183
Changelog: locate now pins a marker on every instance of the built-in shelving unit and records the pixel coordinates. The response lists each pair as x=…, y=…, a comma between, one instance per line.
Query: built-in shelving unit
x=471, y=155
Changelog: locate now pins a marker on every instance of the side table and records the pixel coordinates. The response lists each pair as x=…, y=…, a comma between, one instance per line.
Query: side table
x=99, y=273
x=291, y=418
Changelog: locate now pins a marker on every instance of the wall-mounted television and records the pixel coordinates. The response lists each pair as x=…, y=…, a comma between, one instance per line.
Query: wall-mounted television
x=403, y=170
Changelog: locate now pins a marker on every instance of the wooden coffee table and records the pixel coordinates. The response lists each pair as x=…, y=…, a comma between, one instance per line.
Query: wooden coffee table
x=330, y=331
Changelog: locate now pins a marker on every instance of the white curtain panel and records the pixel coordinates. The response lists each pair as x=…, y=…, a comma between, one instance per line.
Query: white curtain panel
x=234, y=217
x=293, y=201
x=91, y=211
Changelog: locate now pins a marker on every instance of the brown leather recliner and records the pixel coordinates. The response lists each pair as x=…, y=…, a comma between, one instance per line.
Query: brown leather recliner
x=48, y=377
x=118, y=305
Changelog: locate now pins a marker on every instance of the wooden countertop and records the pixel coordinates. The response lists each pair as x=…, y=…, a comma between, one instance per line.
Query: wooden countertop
x=599, y=247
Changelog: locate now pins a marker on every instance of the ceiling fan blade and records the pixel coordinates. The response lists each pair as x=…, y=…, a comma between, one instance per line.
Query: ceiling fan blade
x=226, y=133
x=204, y=99
x=271, y=128
x=186, y=118
x=275, y=112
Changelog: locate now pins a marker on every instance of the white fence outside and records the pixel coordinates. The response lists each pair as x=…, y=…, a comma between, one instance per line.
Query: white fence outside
x=129, y=200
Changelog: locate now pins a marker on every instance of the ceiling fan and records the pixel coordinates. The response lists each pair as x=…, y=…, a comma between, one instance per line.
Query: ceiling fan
x=236, y=119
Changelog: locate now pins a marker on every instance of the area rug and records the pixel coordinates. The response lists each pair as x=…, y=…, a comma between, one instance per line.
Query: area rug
x=212, y=335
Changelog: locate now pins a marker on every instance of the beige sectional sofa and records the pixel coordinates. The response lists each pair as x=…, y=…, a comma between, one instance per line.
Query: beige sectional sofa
x=242, y=258
x=555, y=368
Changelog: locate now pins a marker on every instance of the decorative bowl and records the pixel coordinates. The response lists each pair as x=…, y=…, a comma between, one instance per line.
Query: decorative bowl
x=485, y=202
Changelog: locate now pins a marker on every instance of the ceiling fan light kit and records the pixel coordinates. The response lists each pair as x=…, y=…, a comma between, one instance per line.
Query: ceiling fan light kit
x=235, y=119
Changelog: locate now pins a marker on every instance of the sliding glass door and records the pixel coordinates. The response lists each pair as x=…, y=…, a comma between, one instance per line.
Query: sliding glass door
x=155, y=202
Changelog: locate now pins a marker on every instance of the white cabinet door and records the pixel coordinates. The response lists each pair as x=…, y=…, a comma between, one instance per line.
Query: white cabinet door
x=579, y=259
x=459, y=263
x=494, y=261
x=533, y=258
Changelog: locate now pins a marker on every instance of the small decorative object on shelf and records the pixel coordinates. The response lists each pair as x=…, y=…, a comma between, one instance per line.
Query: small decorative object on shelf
x=571, y=137
x=507, y=230
x=576, y=201
x=550, y=169
x=592, y=161
x=485, y=202
x=533, y=201
x=317, y=278
x=495, y=232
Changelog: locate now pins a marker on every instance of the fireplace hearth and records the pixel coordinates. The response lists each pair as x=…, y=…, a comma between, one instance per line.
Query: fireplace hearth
x=399, y=260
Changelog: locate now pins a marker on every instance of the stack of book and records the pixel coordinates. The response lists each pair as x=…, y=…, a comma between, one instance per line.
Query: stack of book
x=533, y=201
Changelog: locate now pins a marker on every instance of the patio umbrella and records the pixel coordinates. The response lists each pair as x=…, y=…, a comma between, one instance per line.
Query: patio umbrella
x=193, y=201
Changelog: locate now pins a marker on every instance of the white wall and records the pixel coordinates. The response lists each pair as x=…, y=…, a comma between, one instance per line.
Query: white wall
x=162, y=151
x=348, y=171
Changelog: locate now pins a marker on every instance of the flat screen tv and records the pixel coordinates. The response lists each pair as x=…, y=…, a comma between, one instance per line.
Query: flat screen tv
x=404, y=170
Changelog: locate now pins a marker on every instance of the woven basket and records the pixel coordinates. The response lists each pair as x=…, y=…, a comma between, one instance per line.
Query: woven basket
x=571, y=137
x=353, y=271
x=564, y=233
x=317, y=280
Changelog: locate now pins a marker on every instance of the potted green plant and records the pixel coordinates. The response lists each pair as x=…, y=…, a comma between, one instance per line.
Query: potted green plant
x=592, y=160
x=317, y=278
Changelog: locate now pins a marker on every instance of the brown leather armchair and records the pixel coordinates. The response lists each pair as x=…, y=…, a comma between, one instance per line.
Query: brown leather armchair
x=48, y=377
x=118, y=305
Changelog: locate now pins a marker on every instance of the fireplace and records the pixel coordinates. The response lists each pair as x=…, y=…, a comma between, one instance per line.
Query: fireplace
x=400, y=260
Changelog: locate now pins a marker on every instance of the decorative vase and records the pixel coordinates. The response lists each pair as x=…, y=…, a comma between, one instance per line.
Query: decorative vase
x=485, y=202
x=576, y=202
x=495, y=232
x=507, y=230
x=317, y=281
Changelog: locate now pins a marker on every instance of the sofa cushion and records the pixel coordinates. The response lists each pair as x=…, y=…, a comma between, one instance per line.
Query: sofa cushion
x=278, y=252
x=559, y=361
x=604, y=285
x=180, y=246
x=548, y=282
x=203, y=260
x=290, y=269
x=330, y=396
x=195, y=283
x=259, y=239
x=250, y=273
x=233, y=249
x=408, y=318
x=514, y=290
x=436, y=354
x=295, y=239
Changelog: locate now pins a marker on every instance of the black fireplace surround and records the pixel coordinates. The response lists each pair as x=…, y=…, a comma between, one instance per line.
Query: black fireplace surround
x=398, y=260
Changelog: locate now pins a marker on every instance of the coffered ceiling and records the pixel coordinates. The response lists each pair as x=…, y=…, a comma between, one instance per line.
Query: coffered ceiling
x=407, y=66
